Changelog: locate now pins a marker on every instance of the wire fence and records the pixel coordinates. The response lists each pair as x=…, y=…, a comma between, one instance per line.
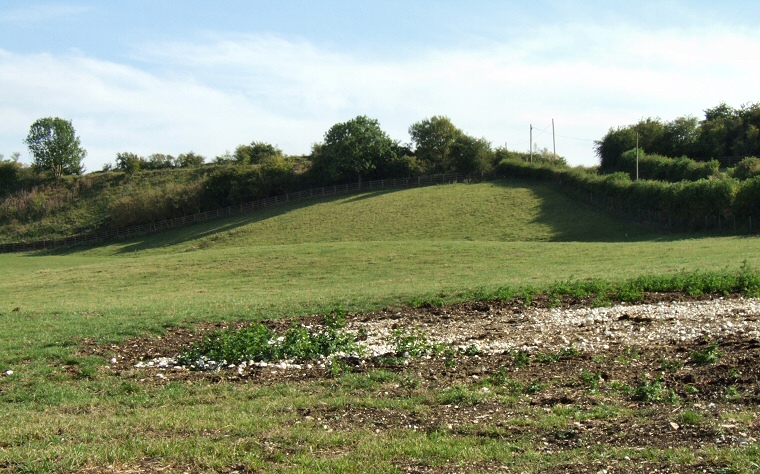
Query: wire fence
x=241, y=209
x=626, y=210
x=623, y=209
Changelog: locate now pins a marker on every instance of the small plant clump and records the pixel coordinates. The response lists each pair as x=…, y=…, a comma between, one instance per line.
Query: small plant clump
x=522, y=358
x=690, y=417
x=460, y=395
x=258, y=343
x=549, y=357
x=414, y=344
x=654, y=391
x=709, y=355
x=670, y=365
x=591, y=380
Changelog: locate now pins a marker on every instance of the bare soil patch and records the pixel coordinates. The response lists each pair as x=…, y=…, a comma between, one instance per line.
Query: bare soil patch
x=629, y=376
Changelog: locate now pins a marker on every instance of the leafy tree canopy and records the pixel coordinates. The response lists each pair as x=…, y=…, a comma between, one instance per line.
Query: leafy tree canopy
x=129, y=162
x=190, y=160
x=256, y=153
x=724, y=133
x=356, y=147
x=434, y=139
x=55, y=147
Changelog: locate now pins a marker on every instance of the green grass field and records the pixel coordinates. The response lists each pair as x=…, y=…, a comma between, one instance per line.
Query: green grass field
x=358, y=252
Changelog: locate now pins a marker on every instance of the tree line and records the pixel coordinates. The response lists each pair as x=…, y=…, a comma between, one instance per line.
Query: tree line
x=357, y=149
x=726, y=134
x=680, y=188
x=716, y=202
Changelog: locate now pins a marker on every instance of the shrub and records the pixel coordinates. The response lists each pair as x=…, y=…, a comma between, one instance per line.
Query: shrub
x=688, y=203
x=747, y=200
x=9, y=175
x=149, y=204
x=663, y=168
x=747, y=168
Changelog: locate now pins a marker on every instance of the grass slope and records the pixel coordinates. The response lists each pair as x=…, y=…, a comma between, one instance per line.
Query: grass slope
x=504, y=211
x=361, y=251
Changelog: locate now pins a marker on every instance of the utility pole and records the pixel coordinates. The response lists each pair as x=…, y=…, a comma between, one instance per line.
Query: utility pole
x=531, y=143
x=637, y=156
x=554, y=142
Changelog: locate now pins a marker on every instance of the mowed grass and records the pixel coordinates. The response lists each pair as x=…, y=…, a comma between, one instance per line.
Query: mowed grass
x=358, y=252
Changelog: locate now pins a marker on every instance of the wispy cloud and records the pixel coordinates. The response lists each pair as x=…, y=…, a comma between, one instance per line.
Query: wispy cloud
x=41, y=13
x=213, y=94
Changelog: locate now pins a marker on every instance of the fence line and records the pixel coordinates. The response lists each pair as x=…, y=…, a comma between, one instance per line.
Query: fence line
x=661, y=219
x=240, y=209
x=647, y=216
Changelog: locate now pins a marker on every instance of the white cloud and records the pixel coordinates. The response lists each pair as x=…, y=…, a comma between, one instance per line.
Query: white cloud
x=214, y=94
x=41, y=13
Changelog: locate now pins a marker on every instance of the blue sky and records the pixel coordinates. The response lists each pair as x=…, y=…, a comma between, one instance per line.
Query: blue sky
x=175, y=76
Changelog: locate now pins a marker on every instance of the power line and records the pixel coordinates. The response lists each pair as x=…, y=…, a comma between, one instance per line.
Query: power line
x=575, y=138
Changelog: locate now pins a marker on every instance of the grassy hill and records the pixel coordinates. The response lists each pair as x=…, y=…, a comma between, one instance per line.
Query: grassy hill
x=503, y=211
x=63, y=411
x=363, y=251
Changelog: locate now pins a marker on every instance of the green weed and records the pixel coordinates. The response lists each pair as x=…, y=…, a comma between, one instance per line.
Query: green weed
x=534, y=386
x=654, y=391
x=628, y=355
x=521, y=358
x=709, y=355
x=450, y=357
x=591, y=380
x=413, y=343
x=460, y=395
x=549, y=357
x=669, y=365
x=690, y=417
x=472, y=350
x=258, y=343
x=498, y=378
x=409, y=383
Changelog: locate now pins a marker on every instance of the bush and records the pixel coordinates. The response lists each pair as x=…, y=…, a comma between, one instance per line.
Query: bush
x=687, y=202
x=234, y=184
x=747, y=200
x=746, y=169
x=150, y=204
x=9, y=174
x=662, y=168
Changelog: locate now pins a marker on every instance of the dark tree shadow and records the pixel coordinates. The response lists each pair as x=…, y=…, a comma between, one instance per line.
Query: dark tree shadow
x=573, y=221
x=568, y=219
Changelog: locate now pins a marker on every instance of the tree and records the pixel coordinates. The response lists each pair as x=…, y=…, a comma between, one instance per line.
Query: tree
x=470, y=155
x=434, y=138
x=128, y=162
x=680, y=137
x=55, y=147
x=159, y=161
x=356, y=147
x=256, y=152
x=190, y=160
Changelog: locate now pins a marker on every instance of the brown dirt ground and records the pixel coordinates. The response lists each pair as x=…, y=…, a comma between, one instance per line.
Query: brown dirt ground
x=732, y=384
